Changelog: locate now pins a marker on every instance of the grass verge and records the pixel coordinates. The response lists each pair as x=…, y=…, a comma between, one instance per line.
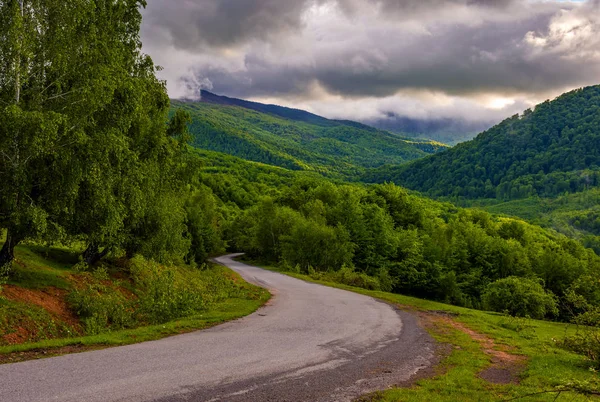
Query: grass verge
x=219, y=313
x=492, y=357
x=37, y=319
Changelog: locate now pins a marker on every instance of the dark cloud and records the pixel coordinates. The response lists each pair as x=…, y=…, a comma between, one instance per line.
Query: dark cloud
x=350, y=49
x=194, y=25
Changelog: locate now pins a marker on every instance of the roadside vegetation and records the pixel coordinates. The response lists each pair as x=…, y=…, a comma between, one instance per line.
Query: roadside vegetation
x=50, y=307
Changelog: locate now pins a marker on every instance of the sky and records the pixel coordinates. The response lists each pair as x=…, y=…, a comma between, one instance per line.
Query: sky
x=476, y=60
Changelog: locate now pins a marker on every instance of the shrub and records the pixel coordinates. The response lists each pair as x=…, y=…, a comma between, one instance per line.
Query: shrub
x=520, y=297
x=348, y=276
x=313, y=244
x=102, y=308
x=159, y=294
x=586, y=340
x=164, y=294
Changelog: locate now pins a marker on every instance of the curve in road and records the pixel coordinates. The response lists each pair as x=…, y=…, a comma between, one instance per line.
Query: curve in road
x=309, y=343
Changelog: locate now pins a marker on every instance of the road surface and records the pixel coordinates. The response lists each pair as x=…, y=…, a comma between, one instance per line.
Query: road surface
x=309, y=343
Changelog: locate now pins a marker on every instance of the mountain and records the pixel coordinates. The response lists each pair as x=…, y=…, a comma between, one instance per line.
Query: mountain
x=552, y=150
x=285, y=112
x=446, y=130
x=295, y=139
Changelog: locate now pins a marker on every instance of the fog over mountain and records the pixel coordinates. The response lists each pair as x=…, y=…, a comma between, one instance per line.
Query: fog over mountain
x=389, y=62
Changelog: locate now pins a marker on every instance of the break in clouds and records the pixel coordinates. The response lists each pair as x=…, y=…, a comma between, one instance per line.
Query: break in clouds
x=475, y=60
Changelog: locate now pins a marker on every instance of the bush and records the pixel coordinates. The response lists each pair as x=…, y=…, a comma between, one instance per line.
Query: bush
x=165, y=294
x=348, y=276
x=102, y=308
x=520, y=297
x=313, y=244
x=586, y=341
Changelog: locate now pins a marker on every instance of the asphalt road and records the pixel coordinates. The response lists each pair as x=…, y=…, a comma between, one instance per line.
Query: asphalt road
x=310, y=343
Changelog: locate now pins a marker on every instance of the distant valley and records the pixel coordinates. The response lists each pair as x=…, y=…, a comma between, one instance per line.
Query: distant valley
x=449, y=131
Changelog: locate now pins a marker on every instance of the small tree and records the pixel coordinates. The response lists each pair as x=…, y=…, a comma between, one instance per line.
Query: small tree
x=520, y=297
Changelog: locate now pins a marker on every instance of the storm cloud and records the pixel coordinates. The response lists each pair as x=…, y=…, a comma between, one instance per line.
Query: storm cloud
x=472, y=59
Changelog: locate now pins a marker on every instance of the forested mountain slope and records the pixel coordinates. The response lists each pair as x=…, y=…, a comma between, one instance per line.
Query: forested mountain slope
x=576, y=215
x=295, y=139
x=378, y=236
x=552, y=150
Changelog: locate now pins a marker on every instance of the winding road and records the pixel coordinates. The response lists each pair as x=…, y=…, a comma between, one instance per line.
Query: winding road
x=309, y=343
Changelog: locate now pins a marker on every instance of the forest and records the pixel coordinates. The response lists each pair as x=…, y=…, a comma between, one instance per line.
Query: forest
x=383, y=237
x=550, y=151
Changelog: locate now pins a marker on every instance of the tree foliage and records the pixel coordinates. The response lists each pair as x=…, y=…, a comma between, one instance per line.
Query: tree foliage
x=85, y=148
x=407, y=243
x=519, y=297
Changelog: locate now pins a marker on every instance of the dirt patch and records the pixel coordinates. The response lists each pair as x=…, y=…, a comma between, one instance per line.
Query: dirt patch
x=51, y=299
x=21, y=335
x=44, y=353
x=505, y=366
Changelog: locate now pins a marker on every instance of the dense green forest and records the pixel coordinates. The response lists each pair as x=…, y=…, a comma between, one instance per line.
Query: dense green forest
x=383, y=237
x=550, y=151
x=576, y=215
x=295, y=141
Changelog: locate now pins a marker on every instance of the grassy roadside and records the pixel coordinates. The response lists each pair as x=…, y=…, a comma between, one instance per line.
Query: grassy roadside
x=491, y=357
x=221, y=312
x=38, y=318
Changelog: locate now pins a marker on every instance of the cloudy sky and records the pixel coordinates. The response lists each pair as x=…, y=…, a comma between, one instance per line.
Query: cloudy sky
x=479, y=60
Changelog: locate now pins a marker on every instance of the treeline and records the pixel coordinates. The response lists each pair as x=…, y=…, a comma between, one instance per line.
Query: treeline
x=547, y=152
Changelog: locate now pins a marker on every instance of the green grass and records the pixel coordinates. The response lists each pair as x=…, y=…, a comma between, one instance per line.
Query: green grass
x=548, y=366
x=37, y=267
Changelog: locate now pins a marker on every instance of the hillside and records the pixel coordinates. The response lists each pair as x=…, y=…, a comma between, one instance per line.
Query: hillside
x=295, y=139
x=576, y=215
x=550, y=151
